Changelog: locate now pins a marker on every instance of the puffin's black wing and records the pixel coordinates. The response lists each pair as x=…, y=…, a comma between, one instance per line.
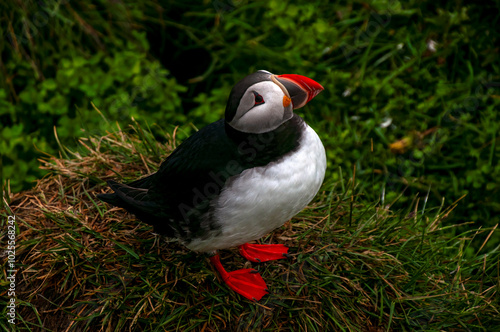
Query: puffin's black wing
x=175, y=197
x=177, y=200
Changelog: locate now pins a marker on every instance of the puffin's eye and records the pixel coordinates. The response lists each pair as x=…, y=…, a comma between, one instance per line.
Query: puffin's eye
x=258, y=99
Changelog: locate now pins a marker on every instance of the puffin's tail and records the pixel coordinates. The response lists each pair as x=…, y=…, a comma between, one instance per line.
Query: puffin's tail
x=131, y=198
x=112, y=198
x=136, y=200
x=126, y=196
x=117, y=197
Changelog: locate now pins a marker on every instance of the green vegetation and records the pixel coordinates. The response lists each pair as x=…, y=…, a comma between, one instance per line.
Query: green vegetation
x=410, y=111
x=354, y=267
x=422, y=76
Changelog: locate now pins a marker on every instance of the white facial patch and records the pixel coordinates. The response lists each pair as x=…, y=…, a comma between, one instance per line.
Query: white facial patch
x=261, y=118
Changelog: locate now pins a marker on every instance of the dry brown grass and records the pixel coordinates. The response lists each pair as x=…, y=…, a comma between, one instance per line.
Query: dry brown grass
x=86, y=267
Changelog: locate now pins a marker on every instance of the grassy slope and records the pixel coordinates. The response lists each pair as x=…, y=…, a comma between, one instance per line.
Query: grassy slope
x=383, y=81
x=356, y=265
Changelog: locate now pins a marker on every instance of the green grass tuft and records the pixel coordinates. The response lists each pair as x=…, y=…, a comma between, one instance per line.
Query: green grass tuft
x=356, y=265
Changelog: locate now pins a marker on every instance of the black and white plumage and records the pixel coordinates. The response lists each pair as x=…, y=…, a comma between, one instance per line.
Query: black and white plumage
x=238, y=178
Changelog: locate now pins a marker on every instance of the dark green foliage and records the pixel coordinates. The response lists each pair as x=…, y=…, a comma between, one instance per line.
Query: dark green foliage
x=419, y=81
x=59, y=57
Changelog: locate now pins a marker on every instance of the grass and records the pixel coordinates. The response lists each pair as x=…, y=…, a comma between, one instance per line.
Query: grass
x=356, y=265
x=411, y=89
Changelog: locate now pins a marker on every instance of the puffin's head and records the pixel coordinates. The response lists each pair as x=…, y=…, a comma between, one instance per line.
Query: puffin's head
x=262, y=101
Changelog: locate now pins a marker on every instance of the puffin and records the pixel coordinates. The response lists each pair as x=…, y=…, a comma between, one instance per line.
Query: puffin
x=237, y=179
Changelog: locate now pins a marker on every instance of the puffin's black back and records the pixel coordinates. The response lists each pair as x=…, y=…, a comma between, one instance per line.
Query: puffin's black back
x=178, y=200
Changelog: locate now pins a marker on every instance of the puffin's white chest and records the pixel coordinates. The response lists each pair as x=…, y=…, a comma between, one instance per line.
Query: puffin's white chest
x=264, y=198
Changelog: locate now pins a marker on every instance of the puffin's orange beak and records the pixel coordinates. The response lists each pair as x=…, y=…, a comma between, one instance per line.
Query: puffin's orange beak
x=301, y=89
